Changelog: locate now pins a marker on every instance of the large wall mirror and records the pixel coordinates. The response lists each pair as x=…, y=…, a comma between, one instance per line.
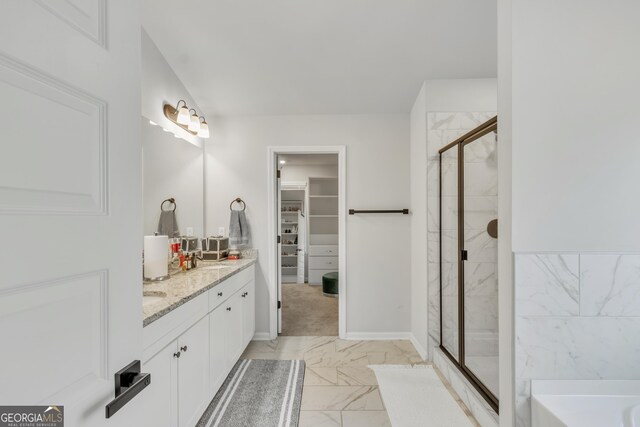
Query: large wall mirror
x=172, y=168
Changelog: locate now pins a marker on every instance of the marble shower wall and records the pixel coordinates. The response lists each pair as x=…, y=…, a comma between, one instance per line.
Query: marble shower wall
x=481, y=206
x=577, y=317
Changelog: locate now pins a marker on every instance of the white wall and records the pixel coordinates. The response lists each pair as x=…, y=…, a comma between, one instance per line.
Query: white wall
x=171, y=168
x=573, y=113
x=419, y=298
x=378, y=299
x=160, y=85
x=505, y=254
x=576, y=143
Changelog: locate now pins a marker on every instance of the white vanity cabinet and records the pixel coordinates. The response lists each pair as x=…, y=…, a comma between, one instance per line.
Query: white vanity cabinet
x=248, y=312
x=190, y=351
x=158, y=402
x=231, y=327
x=179, y=379
x=193, y=373
x=217, y=349
x=233, y=322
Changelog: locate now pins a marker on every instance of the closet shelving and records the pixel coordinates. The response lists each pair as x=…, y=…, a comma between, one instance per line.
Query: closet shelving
x=291, y=204
x=323, y=227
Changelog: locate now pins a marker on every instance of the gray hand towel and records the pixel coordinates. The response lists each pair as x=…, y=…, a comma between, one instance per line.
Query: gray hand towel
x=238, y=229
x=168, y=225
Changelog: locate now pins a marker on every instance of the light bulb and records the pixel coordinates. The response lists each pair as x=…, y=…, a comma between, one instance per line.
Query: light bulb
x=204, y=130
x=184, y=117
x=194, y=124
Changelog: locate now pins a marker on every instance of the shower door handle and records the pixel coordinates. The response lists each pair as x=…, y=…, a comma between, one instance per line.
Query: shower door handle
x=464, y=255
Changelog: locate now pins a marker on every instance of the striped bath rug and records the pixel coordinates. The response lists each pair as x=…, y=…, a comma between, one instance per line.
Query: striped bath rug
x=258, y=393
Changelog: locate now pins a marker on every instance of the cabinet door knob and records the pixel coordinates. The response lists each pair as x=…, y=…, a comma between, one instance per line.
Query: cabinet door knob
x=183, y=348
x=219, y=294
x=176, y=355
x=244, y=294
x=228, y=308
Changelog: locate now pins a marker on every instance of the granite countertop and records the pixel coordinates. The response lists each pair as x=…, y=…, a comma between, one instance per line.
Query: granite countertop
x=184, y=286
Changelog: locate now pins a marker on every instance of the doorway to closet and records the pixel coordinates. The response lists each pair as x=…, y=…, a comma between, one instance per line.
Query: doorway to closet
x=308, y=207
x=309, y=244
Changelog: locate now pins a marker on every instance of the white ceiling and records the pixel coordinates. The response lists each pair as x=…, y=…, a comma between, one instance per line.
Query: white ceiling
x=320, y=56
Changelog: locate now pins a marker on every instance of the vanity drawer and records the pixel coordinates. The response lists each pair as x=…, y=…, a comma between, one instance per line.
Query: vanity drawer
x=222, y=291
x=323, y=262
x=323, y=250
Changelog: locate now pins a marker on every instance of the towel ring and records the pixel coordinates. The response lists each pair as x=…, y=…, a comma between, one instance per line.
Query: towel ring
x=170, y=200
x=238, y=200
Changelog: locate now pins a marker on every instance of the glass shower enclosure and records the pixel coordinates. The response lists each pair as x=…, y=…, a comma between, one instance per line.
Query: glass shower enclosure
x=469, y=257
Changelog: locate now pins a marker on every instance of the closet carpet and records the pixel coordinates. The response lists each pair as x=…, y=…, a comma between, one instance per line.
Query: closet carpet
x=306, y=312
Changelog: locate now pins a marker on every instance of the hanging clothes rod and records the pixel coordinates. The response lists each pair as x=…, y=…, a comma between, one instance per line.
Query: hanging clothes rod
x=400, y=211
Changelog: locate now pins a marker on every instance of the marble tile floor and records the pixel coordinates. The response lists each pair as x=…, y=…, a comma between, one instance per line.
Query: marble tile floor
x=339, y=390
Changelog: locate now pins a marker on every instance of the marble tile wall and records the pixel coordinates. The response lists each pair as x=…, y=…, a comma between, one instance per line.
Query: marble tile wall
x=577, y=317
x=481, y=207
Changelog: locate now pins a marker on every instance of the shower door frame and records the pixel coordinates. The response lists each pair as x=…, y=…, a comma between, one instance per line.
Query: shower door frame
x=459, y=144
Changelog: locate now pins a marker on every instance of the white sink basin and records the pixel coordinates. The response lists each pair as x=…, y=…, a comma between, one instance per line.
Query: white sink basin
x=151, y=297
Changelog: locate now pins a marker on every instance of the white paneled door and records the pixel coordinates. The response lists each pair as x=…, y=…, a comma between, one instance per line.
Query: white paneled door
x=279, y=243
x=70, y=204
x=302, y=247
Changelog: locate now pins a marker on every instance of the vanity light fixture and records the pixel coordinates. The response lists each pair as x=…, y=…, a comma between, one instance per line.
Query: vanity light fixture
x=186, y=119
x=204, y=128
x=183, y=116
x=194, y=124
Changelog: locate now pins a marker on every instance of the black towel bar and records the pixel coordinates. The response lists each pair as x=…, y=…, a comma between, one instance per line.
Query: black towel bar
x=400, y=211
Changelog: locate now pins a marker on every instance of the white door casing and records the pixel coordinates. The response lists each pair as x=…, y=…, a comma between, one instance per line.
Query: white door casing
x=274, y=220
x=70, y=204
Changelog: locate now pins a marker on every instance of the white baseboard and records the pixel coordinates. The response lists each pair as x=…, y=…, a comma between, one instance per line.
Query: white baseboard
x=261, y=336
x=419, y=347
x=371, y=336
